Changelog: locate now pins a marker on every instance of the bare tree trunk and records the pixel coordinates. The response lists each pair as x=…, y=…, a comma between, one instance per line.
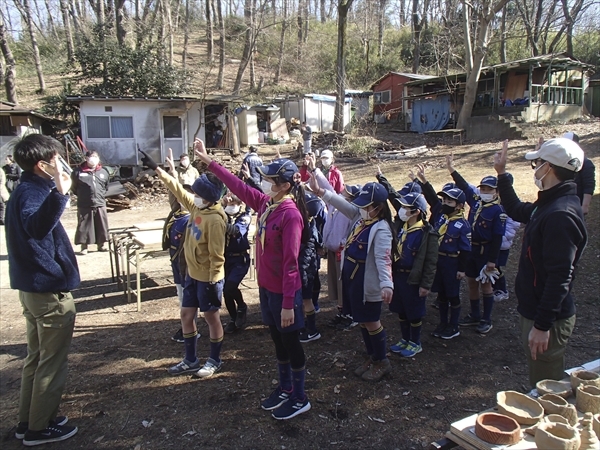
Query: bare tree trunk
x=305, y=13
x=209, y=33
x=503, y=36
x=177, y=15
x=485, y=16
x=300, y=28
x=402, y=12
x=186, y=34
x=248, y=44
x=284, y=24
x=68, y=34
x=338, y=118
x=25, y=11
x=51, y=20
x=417, y=27
x=10, y=76
x=119, y=18
x=221, y=24
x=381, y=27
x=322, y=11
x=167, y=20
x=466, y=9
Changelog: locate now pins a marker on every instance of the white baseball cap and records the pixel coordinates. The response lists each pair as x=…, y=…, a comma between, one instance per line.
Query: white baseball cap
x=326, y=154
x=571, y=135
x=560, y=152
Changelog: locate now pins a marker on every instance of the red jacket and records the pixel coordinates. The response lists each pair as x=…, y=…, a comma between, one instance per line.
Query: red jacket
x=333, y=175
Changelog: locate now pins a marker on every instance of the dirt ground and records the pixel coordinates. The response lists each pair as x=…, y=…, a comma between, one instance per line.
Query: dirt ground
x=120, y=396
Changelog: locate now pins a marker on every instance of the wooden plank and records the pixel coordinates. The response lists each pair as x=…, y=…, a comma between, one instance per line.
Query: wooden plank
x=279, y=127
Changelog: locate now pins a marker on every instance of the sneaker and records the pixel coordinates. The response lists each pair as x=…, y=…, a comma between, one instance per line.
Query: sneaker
x=469, y=321
x=346, y=324
x=84, y=249
x=277, y=398
x=500, y=295
x=366, y=365
x=52, y=433
x=240, y=318
x=450, y=332
x=307, y=336
x=291, y=409
x=22, y=427
x=102, y=248
x=184, y=367
x=484, y=327
x=378, y=370
x=411, y=350
x=210, y=367
x=230, y=328
x=401, y=345
x=178, y=337
x=333, y=323
x=439, y=330
x=317, y=309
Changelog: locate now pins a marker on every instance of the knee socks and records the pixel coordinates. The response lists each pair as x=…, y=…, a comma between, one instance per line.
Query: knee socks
x=488, y=304
x=215, y=348
x=378, y=337
x=475, y=312
x=415, y=331
x=454, y=311
x=190, y=340
x=311, y=321
x=298, y=382
x=405, y=329
x=367, y=338
x=285, y=375
x=443, y=305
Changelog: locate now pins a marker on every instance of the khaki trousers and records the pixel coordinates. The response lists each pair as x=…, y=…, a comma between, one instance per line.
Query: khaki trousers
x=551, y=363
x=334, y=282
x=50, y=321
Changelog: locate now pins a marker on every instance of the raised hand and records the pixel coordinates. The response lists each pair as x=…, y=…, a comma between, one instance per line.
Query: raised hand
x=147, y=160
x=411, y=175
x=62, y=180
x=450, y=162
x=313, y=184
x=200, y=151
x=379, y=172
x=421, y=173
x=171, y=162
x=539, y=143
x=312, y=161
x=500, y=159
x=245, y=170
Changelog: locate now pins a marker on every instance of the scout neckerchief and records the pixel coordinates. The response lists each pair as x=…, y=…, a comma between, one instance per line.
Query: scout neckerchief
x=262, y=222
x=484, y=205
x=406, y=230
x=456, y=215
x=360, y=226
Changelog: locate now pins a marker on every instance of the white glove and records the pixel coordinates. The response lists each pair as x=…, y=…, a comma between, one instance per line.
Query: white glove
x=488, y=276
x=493, y=275
x=482, y=278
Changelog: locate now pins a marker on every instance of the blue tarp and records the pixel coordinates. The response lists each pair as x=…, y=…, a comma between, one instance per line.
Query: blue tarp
x=328, y=98
x=430, y=114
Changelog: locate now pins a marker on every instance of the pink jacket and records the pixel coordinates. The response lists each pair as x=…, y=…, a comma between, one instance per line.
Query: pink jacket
x=277, y=262
x=334, y=176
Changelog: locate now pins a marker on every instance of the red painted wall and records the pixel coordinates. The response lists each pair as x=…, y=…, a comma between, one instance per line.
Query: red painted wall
x=394, y=83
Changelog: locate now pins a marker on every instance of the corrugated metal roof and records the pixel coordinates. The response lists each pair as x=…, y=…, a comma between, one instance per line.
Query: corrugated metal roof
x=189, y=98
x=414, y=76
x=7, y=108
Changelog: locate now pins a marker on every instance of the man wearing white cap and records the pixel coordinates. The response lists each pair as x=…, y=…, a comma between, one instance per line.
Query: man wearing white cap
x=585, y=178
x=553, y=241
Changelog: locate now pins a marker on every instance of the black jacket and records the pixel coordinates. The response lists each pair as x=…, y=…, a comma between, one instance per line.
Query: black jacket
x=553, y=241
x=90, y=186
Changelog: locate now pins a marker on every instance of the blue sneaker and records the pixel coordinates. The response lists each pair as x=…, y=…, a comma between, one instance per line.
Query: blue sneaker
x=401, y=345
x=291, y=409
x=184, y=367
x=411, y=350
x=277, y=398
x=317, y=309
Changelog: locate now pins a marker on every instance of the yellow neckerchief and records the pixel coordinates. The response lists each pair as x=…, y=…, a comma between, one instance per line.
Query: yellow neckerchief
x=485, y=205
x=405, y=232
x=361, y=225
x=262, y=221
x=456, y=215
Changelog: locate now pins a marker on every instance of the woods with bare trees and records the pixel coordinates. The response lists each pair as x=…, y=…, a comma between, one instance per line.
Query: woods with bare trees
x=170, y=47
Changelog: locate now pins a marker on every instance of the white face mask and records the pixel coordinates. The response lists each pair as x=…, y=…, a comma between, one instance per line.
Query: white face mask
x=364, y=214
x=487, y=197
x=93, y=161
x=404, y=215
x=184, y=163
x=267, y=188
x=232, y=210
x=200, y=203
x=326, y=162
x=538, y=182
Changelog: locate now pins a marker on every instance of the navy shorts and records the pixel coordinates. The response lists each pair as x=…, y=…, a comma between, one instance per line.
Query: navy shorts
x=475, y=263
x=236, y=268
x=406, y=300
x=177, y=278
x=270, y=309
x=445, y=281
x=353, y=289
x=503, y=258
x=195, y=294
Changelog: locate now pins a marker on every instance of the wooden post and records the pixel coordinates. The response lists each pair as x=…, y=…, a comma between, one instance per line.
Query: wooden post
x=232, y=125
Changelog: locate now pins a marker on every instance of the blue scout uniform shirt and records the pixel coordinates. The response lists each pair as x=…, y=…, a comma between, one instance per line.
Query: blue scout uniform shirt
x=238, y=243
x=409, y=241
x=486, y=219
x=457, y=236
x=177, y=230
x=357, y=247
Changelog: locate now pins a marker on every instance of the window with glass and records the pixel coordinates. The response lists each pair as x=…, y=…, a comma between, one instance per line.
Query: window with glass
x=109, y=127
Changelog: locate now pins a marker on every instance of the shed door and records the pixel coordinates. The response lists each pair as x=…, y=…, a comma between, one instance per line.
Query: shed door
x=173, y=135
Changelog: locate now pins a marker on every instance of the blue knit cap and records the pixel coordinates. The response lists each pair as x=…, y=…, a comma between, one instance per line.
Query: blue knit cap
x=206, y=189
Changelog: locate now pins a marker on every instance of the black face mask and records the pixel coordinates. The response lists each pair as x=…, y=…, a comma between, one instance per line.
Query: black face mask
x=447, y=209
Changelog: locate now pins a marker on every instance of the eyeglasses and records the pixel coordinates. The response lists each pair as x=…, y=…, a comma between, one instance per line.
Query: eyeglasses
x=535, y=163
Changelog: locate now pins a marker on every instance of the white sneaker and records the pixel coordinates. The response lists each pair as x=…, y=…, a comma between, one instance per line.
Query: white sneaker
x=500, y=296
x=210, y=367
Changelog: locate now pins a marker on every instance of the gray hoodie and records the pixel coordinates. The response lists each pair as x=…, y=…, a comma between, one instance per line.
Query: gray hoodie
x=378, y=266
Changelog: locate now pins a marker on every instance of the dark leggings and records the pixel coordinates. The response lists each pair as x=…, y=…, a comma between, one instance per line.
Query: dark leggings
x=233, y=299
x=288, y=347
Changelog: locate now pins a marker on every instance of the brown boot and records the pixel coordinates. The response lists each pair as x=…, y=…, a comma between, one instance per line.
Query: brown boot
x=364, y=367
x=378, y=370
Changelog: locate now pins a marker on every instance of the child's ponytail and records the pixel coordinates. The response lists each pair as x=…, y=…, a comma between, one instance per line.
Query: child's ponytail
x=299, y=194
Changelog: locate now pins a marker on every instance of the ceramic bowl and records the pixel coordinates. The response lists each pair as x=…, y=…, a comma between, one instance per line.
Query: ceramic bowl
x=561, y=388
x=520, y=407
x=552, y=403
x=497, y=429
x=596, y=424
x=588, y=399
x=557, y=436
x=585, y=377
